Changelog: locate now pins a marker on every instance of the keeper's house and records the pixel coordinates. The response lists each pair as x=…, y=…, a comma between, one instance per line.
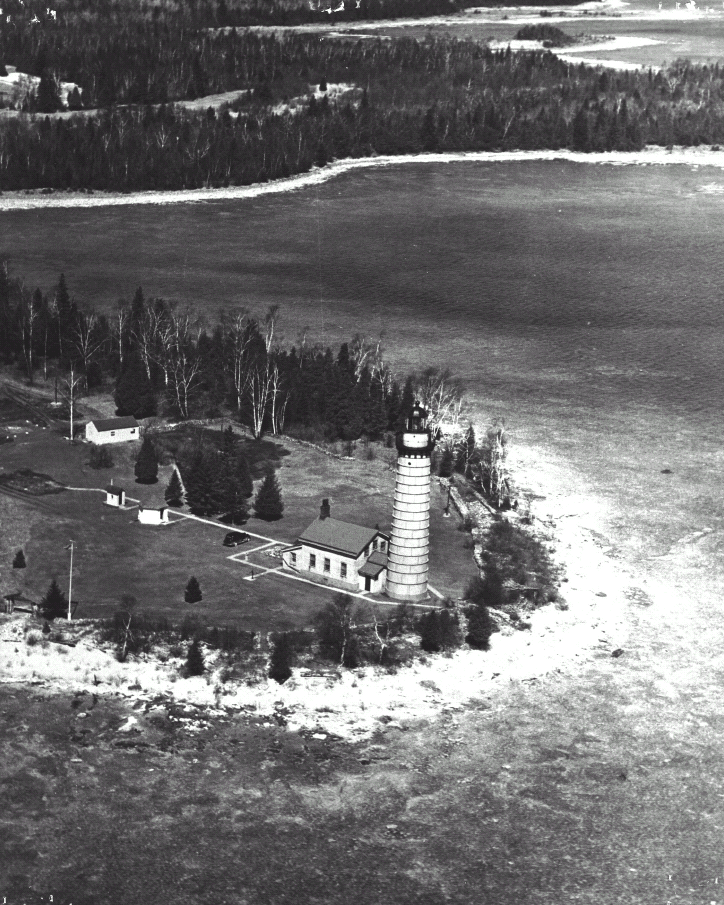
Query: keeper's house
x=339, y=554
x=112, y=430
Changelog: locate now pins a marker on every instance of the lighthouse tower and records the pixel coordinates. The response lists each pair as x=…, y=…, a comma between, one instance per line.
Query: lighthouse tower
x=407, y=558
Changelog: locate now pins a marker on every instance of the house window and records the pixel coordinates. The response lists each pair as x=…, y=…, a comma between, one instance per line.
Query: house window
x=312, y=561
x=113, y=433
x=343, y=570
x=133, y=430
x=374, y=544
x=382, y=546
x=293, y=559
x=326, y=564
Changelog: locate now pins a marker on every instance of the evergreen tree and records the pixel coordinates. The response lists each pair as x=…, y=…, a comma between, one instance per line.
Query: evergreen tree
x=193, y=594
x=19, y=561
x=134, y=394
x=174, y=492
x=195, y=659
x=282, y=659
x=55, y=604
x=147, y=463
x=202, y=480
x=268, y=503
x=47, y=99
x=231, y=493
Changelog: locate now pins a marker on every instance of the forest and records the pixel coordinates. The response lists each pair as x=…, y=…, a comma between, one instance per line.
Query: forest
x=412, y=96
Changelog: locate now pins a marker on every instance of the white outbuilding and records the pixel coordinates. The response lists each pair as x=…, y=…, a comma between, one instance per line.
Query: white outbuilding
x=115, y=496
x=153, y=516
x=112, y=430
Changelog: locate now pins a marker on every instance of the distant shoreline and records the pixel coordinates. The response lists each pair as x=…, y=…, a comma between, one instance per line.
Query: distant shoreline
x=651, y=156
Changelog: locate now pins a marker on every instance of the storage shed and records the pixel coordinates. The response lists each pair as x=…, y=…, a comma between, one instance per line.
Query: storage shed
x=112, y=430
x=153, y=516
x=115, y=496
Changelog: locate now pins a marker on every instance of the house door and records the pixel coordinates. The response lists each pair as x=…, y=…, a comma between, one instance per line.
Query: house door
x=367, y=583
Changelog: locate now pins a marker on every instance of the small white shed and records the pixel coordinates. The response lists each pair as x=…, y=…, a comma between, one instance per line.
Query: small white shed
x=153, y=516
x=115, y=496
x=112, y=430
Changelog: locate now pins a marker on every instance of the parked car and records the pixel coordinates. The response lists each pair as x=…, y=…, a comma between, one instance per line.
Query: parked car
x=234, y=538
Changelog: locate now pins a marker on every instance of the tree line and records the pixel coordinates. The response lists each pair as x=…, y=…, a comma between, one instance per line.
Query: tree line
x=161, y=358
x=439, y=95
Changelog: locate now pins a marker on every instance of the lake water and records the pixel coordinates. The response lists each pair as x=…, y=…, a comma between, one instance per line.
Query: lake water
x=582, y=302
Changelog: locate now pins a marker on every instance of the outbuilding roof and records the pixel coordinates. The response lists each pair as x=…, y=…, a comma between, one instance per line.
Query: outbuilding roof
x=114, y=489
x=341, y=537
x=114, y=424
x=375, y=564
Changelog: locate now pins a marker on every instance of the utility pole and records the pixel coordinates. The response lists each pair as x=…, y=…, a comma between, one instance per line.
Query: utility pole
x=70, y=585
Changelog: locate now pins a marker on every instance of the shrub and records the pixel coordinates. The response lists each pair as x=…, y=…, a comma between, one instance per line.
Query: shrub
x=100, y=457
x=334, y=627
x=480, y=627
x=439, y=630
x=193, y=591
x=488, y=590
x=195, y=659
x=19, y=560
x=282, y=659
x=32, y=638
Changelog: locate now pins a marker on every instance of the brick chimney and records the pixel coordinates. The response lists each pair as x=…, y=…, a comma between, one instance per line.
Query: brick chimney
x=324, y=510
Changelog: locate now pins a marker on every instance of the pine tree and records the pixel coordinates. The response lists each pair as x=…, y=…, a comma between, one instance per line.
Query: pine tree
x=19, y=561
x=203, y=484
x=147, y=463
x=47, y=99
x=55, y=604
x=282, y=659
x=195, y=659
x=174, y=492
x=193, y=593
x=232, y=498
x=134, y=394
x=268, y=503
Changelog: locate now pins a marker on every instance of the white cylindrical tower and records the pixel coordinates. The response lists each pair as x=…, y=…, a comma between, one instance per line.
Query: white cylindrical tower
x=407, y=558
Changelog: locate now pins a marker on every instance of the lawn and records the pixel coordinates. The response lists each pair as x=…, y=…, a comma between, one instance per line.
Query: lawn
x=115, y=556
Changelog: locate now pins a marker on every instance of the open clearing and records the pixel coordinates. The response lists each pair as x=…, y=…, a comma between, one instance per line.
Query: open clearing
x=116, y=556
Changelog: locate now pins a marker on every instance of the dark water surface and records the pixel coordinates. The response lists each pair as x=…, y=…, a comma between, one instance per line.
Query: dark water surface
x=583, y=302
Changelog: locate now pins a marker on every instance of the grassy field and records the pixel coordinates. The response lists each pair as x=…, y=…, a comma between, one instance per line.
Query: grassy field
x=116, y=556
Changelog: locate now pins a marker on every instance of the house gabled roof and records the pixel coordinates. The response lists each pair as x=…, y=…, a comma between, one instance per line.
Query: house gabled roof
x=339, y=537
x=114, y=424
x=376, y=563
